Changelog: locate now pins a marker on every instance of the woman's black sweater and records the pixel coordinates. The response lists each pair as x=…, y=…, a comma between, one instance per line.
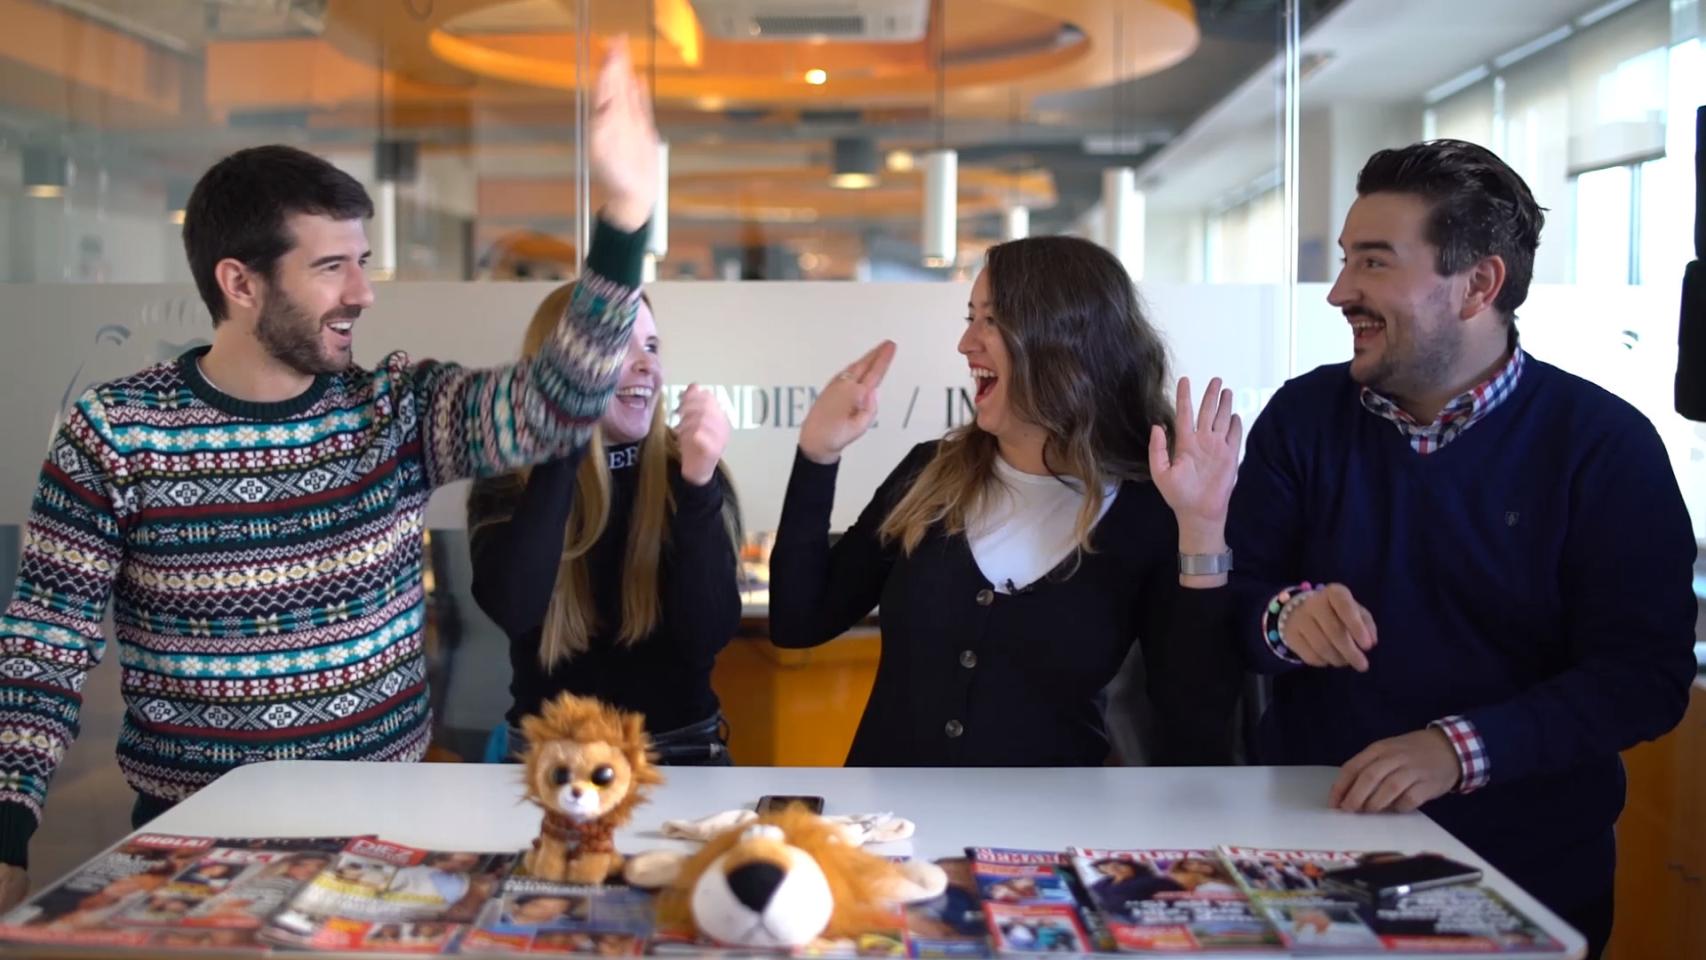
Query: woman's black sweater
x=517, y=544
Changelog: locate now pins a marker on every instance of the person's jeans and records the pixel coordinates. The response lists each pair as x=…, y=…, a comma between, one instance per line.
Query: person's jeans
x=1593, y=919
x=147, y=808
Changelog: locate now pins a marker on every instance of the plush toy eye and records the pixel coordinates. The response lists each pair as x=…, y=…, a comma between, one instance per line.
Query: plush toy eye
x=559, y=775
x=604, y=776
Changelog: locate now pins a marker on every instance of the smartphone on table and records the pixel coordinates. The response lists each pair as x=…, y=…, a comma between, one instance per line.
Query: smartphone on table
x=1387, y=879
x=776, y=803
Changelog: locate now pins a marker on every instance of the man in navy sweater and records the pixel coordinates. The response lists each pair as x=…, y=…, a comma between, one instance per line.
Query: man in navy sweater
x=1469, y=571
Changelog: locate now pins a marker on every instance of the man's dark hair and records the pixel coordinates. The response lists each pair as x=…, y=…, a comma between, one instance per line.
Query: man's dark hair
x=239, y=207
x=1477, y=207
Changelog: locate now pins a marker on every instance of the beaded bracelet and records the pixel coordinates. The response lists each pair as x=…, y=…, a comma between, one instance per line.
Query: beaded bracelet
x=1280, y=609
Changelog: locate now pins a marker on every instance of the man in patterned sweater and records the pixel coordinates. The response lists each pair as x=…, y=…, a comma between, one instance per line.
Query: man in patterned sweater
x=256, y=507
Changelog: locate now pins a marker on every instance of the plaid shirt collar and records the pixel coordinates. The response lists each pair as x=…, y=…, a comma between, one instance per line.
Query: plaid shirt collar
x=1460, y=414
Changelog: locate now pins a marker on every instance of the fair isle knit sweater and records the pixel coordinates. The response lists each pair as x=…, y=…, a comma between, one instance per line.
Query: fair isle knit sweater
x=265, y=559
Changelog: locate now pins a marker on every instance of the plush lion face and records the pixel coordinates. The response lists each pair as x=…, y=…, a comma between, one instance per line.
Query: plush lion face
x=781, y=882
x=586, y=760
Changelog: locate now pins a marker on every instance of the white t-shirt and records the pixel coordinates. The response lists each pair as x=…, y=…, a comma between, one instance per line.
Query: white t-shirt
x=1027, y=527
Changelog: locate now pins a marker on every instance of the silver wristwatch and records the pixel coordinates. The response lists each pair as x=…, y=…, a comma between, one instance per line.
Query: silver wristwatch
x=1205, y=564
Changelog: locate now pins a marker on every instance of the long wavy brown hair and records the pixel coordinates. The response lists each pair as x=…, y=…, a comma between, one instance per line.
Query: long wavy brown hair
x=572, y=618
x=1087, y=367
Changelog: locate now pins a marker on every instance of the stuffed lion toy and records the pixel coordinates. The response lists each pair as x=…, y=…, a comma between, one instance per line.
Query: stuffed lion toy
x=587, y=766
x=786, y=880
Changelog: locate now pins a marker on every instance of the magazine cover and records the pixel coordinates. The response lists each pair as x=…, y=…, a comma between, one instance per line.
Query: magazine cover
x=386, y=897
x=1020, y=876
x=1287, y=886
x=1036, y=928
x=81, y=908
x=1170, y=901
x=237, y=884
x=180, y=893
x=555, y=942
x=530, y=915
x=951, y=925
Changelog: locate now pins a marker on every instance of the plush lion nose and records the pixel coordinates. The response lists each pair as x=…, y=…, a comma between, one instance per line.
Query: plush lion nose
x=755, y=883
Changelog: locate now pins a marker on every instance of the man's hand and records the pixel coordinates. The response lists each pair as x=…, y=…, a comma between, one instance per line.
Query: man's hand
x=14, y=884
x=1398, y=774
x=1328, y=628
x=622, y=142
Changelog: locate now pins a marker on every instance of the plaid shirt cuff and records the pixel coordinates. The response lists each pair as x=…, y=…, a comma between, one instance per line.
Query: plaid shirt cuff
x=1471, y=752
x=1273, y=623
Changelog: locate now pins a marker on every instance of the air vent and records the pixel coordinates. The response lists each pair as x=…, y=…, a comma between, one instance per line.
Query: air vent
x=863, y=21
x=797, y=26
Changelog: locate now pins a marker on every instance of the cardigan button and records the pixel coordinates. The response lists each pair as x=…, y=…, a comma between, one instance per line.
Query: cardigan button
x=968, y=659
x=985, y=597
x=954, y=729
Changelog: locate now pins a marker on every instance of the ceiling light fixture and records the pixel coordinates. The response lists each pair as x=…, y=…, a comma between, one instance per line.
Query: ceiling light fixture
x=46, y=173
x=941, y=168
x=855, y=163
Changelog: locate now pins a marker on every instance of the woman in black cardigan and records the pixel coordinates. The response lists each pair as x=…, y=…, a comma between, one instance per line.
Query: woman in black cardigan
x=614, y=575
x=1016, y=560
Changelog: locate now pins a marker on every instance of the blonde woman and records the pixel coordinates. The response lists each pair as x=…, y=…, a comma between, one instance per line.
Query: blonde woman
x=1018, y=559
x=613, y=573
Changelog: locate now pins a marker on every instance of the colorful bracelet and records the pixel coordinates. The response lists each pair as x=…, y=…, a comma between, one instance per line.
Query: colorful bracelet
x=1280, y=609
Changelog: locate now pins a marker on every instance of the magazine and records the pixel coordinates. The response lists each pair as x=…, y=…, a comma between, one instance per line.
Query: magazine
x=951, y=925
x=531, y=915
x=80, y=909
x=1169, y=901
x=158, y=891
x=1036, y=928
x=1309, y=916
x=555, y=942
x=378, y=896
x=1020, y=876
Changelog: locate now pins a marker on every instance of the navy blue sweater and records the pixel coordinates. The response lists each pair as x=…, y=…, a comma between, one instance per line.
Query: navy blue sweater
x=1533, y=575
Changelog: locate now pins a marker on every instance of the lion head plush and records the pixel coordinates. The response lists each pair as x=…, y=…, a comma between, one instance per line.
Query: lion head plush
x=785, y=880
x=587, y=765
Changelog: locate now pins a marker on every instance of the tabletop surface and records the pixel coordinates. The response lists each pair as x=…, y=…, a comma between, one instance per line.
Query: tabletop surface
x=478, y=807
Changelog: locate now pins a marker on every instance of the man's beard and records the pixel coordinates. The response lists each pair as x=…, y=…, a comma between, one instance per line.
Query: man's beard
x=1431, y=350
x=293, y=338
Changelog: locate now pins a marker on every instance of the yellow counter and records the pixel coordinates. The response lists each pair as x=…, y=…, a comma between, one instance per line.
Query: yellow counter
x=794, y=708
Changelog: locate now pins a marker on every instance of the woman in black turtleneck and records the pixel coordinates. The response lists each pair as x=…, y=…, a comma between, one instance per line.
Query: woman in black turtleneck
x=614, y=576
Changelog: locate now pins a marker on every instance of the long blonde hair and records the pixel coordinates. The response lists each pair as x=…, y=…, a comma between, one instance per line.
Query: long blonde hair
x=572, y=618
x=1087, y=367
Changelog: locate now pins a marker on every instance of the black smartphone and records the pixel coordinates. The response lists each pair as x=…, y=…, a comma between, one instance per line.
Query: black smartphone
x=1385, y=879
x=776, y=803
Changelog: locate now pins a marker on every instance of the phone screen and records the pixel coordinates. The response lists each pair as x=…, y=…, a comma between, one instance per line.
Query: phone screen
x=776, y=803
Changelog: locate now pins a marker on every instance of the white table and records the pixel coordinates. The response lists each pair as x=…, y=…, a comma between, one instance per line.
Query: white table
x=478, y=807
